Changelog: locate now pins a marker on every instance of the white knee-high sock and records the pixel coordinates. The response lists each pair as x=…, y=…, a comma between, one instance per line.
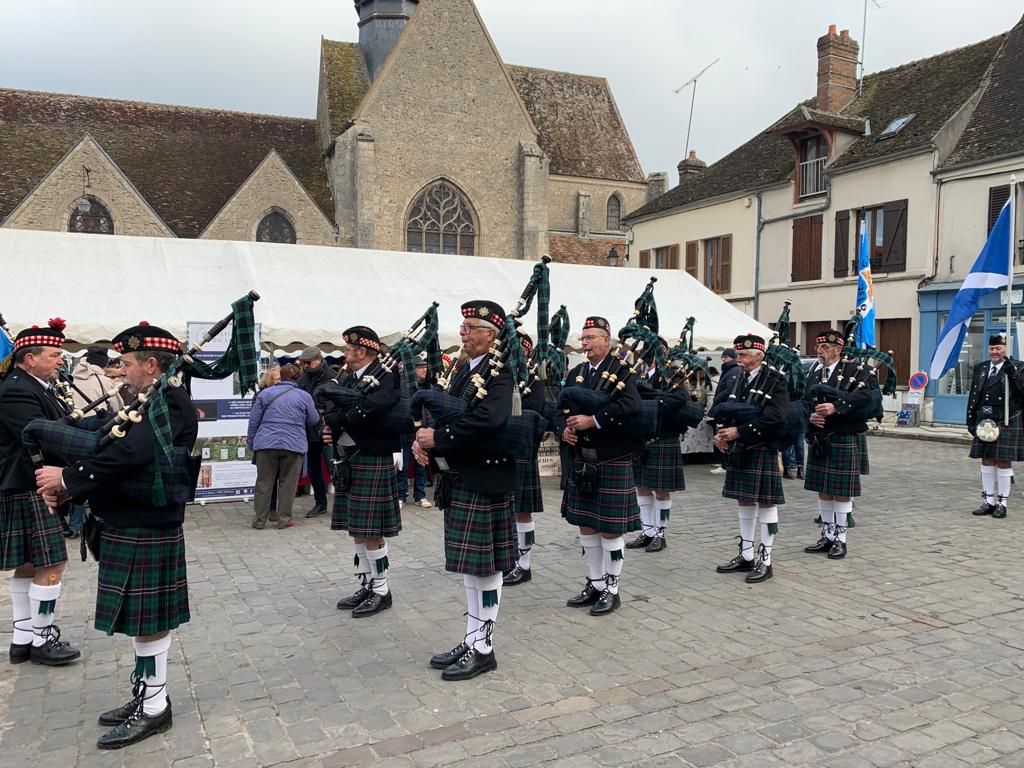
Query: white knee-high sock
x=151, y=668
x=613, y=551
x=1005, y=477
x=842, y=511
x=647, y=515
x=769, y=527
x=591, y=543
x=362, y=563
x=490, y=598
x=43, y=606
x=21, y=610
x=988, y=483
x=379, y=565
x=826, y=508
x=472, y=606
x=748, y=518
x=664, y=510
x=525, y=533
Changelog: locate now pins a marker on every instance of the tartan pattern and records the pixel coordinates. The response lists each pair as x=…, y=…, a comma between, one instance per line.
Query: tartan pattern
x=758, y=481
x=142, y=587
x=528, y=497
x=1009, y=446
x=839, y=474
x=659, y=466
x=612, y=507
x=479, y=532
x=862, y=449
x=28, y=532
x=369, y=509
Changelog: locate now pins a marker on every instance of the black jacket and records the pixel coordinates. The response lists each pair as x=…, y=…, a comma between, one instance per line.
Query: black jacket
x=311, y=379
x=766, y=429
x=842, y=422
x=358, y=421
x=611, y=440
x=22, y=398
x=535, y=400
x=97, y=478
x=991, y=391
x=727, y=380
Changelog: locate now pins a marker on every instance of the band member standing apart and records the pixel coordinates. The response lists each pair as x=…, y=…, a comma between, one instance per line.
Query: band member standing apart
x=366, y=504
x=31, y=538
x=659, y=471
x=474, y=489
x=988, y=399
x=315, y=374
x=600, y=493
x=142, y=585
x=752, y=461
x=835, y=461
x=528, y=497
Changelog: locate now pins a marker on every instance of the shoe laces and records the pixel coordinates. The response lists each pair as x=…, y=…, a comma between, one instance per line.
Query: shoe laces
x=762, y=555
x=609, y=582
x=51, y=635
x=140, y=694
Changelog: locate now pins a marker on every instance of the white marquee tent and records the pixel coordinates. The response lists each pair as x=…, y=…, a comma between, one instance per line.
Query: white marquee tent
x=101, y=284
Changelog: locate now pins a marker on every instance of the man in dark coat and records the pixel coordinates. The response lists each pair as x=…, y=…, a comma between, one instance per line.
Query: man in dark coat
x=726, y=382
x=315, y=374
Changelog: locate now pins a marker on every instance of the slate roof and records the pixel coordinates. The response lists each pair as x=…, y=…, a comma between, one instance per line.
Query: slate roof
x=345, y=79
x=185, y=161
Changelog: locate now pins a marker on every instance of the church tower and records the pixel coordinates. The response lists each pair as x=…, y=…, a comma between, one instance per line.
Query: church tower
x=380, y=24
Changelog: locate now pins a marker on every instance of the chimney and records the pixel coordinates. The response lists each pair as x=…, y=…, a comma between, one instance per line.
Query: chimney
x=657, y=185
x=380, y=24
x=691, y=165
x=837, y=70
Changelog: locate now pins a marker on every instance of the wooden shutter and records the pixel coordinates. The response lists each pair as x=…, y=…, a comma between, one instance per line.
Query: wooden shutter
x=841, y=268
x=895, y=335
x=725, y=264
x=798, y=268
x=894, y=251
x=806, y=248
x=645, y=259
x=811, y=330
x=673, y=257
x=691, y=259
x=997, y=197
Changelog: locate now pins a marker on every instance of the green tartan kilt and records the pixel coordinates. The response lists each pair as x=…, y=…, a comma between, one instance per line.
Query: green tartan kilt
x=1009, y=446
x=758, y=481
x=479, y=532
x=862, y=451
x=611, y=507
x=142, y=586
x=369, y=508
x=28, y=532
x=528, y=497
x=839, y=474
x=660, y=466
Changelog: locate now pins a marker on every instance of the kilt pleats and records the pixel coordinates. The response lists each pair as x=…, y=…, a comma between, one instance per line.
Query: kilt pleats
x=660, y=466
x=1009, y=446
x=528, y=497
x=28, y=532
x=757, y=480
x=611, y=506
x=479, y=532
x=839, y=473
x=369, y=508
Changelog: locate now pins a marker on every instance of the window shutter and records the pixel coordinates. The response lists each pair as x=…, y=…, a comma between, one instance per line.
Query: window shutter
x=894, y=252
x=691, y=259
x=645, y=259
x=814, y=256
x=725, y=265
x=894, y=335
x=796, y=271
x=673, y=257
x=842, y=258
x=997, y=197
x=806, y=249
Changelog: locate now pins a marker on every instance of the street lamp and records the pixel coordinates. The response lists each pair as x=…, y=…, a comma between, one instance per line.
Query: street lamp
x=613, y=257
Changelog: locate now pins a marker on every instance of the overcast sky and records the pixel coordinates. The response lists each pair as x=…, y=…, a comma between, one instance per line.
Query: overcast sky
x=262, y=56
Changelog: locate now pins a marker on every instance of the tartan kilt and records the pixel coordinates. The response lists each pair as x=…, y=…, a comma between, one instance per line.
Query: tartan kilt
x=369, y=508
x=660, y=466
x=862, y=449
x=839, y=474
x=1009, y=446
x=28, y=532
x=479, y=532
x=142, y=586
x=528, y=497
x=611, y=507
x=759, y=481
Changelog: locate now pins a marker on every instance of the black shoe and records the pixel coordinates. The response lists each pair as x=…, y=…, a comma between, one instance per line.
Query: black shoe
x=789, y=473
x=657, y=544
x=445, y=660
x=516, y=576
x=760, y=573
x=469, y=665
x=799, y=473
x=122, y=713
x=639, y=542
x=588, y=596
x=736, y=564
x=823, y=544
x=54, y=652
x=606, y=603
x=20, y=652
x=984, y=509
x=71, y=534
x=354, y=600
x=137, y=727
x=373, y=604
x=316, y=511
x=837, y=551
x=999, y=511
x=817, y=520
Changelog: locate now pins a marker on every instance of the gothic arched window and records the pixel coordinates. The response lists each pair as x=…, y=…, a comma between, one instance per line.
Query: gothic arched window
x=91, y=216
x=441, y=220
x=614, y=214
x=275, y=228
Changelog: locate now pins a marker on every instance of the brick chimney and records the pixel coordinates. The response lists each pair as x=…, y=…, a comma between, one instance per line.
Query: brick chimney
x=837, y=69
x=691, y=165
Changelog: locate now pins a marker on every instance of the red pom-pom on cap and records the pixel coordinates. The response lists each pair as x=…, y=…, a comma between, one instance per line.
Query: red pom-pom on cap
x=57, y=323
x=143, y=323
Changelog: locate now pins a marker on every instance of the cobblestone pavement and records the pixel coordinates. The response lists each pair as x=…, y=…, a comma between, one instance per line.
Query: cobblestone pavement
x=907, y=653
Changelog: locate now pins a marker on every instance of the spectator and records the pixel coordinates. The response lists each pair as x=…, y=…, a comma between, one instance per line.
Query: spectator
x=419, y=488
x=726, y=384
x=270, y=378
x=113, y=370
x=278, y=423
x=315, y=374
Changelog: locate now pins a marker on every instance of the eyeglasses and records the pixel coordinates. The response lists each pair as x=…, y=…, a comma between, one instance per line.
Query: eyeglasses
x=591, y=337
x=467, y=328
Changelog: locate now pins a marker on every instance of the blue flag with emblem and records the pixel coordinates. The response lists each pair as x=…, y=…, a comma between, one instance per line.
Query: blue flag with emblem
x=991, y=271
x=6, y=348
x=865, y=332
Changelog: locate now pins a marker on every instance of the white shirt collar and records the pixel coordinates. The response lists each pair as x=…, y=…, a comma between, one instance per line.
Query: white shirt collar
x=753, y=373
x=475, y=361
x=358, y=374
x=45, y=384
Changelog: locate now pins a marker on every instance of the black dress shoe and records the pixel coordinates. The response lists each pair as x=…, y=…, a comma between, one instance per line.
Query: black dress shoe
x=354, y=600
x=516, y=576
x=760, y=573
x=657, y=544
x=373, y=604
x=606, y=603
x=20, y=652
x=445, y=660
x=588, y=596
x=469, y=665
x=999, y=511
x=823, y=544
x=639, y=542
x=984, y=509
x=117, y=716
x=137, y=727
x=837, y=551
x=316, y=511
x=54, y=652
x=789, y=473
x=817, y=520
x=736, y=564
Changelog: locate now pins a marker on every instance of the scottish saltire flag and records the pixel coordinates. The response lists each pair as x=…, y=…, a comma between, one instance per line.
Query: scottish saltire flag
x=990, y=272
x=865, y=333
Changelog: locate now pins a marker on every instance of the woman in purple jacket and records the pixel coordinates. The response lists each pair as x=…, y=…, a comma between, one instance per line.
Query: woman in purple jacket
x=277, y=437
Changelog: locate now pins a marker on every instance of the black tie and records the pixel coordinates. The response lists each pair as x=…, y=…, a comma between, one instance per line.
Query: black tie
x=992, y=371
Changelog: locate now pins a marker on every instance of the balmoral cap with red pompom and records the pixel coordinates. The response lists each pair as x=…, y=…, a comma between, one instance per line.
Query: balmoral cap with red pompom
x=146, y=338
x=50, y=336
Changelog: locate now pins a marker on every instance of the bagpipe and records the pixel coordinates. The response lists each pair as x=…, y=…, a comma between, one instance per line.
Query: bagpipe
x=735, y=411
x=855, y=376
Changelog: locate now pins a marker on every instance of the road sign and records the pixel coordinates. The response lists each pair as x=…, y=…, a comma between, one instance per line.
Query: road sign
x=919, y=380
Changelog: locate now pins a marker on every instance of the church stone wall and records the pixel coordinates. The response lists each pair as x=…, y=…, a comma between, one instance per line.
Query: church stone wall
x=567, y=195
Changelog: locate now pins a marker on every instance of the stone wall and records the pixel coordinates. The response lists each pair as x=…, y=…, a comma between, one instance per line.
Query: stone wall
x=564, y=203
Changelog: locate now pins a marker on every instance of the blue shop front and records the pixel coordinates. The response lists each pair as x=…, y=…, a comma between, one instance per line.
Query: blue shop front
x=934, y=301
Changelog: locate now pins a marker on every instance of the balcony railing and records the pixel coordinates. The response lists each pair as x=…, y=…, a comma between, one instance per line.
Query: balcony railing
x=812, y=177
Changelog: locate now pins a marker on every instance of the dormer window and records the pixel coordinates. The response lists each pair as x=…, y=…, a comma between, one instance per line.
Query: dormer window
x=813, y=156
x=894, y=127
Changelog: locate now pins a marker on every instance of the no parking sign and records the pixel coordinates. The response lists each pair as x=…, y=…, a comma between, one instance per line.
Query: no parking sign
x=918, y=381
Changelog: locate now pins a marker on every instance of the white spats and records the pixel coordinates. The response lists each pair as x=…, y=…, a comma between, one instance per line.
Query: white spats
x=613, y=561
x=988, y=483
x=525, y=533
x=379, y=565
x=769, y=526
x=592, y=552
x=21, y=611
x=748, y=517
x=1005, y=478
x=826, y=508
x=648, y=515
x=151, y=667
x=664, y=511
x=489, y=589
x=842, y=513
x=42, y=606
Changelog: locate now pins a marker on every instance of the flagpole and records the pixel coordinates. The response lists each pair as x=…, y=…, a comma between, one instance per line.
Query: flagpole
x=1009, y=292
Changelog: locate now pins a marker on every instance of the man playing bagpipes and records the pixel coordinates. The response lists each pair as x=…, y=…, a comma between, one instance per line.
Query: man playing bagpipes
x=31, y=540
x=474, y=484
x=600, y=495
x=366, y=503
x=994, y=420
x=751, y=423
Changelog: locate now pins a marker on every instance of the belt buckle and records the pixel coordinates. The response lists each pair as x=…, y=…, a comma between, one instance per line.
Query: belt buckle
x=589, y=454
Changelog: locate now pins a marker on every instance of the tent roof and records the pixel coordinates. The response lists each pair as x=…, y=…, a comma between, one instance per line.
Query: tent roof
x=102, y=284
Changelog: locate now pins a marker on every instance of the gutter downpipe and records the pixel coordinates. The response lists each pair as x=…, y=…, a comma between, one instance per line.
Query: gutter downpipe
x=762, y=222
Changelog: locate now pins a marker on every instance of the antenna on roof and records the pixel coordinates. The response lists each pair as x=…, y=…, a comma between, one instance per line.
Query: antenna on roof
x=693, y=81
x=863, y=43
